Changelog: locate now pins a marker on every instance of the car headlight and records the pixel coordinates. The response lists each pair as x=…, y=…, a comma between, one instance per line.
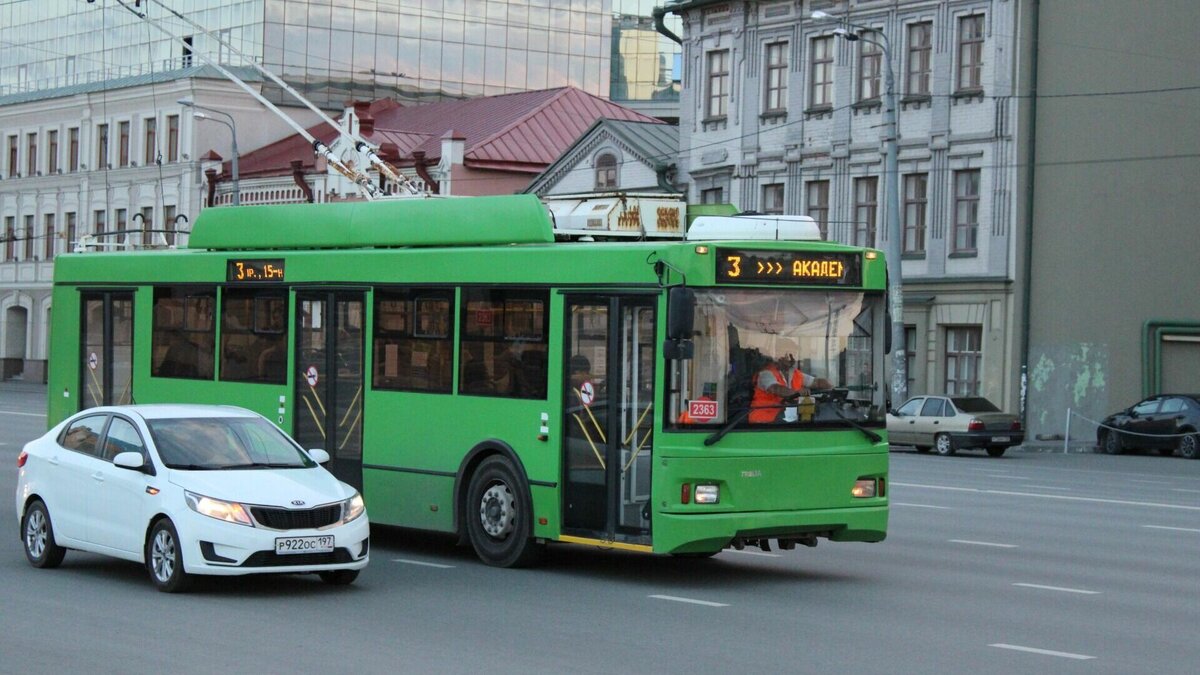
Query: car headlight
x=352, y=508
x=230, y=512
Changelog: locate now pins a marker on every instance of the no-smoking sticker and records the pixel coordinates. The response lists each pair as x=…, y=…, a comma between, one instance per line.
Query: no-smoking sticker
x=310, y=374
x=587, y=393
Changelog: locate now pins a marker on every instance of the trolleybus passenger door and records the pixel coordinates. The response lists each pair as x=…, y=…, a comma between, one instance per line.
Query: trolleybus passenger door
x=106, y=374
x=608, y=394
x=329, y=378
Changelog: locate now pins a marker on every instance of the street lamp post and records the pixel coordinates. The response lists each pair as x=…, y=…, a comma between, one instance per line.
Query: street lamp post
x=237, y=193
x=893, y=249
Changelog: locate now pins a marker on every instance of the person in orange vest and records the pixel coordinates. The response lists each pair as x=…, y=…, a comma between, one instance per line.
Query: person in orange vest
x=780, y=380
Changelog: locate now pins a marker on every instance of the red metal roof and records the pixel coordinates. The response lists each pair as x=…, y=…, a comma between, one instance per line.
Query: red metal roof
x=521, y=132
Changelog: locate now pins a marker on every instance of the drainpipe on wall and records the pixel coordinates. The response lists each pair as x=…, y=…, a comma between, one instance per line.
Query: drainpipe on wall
x=658, y=13
x=298, y=177
x=423, y=171
x=1030, y=167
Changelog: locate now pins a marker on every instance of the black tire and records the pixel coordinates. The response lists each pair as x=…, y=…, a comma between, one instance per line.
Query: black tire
x=1189, y=447
x=499, y=517
x=942, y=445
x=339, y=577
x=1112, y=444
x=996, y=452
x=37, y=535
x=164, y=559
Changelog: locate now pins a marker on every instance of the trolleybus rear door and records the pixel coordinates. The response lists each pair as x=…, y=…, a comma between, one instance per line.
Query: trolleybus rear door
x=329, y=378
x=106, y=341
x=608, y=393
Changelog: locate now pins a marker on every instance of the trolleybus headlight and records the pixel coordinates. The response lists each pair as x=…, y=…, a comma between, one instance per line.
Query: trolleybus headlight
x=708, y=494
x=352, y=508
x=863, y=487
x=230, y=512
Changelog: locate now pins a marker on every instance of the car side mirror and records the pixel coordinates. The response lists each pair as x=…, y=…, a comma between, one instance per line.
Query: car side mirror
x=318, y=455
x=894, y=413
x=129, y=460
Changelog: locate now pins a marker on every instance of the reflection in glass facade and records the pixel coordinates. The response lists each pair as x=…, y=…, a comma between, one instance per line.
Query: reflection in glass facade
x=646, y=65
x=334, y=50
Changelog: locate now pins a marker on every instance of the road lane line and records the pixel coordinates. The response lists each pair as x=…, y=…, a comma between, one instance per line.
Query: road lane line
x=423, y=564
x=1149, y=482
x=1177, y=529
x=921, y=506
x=14, y=412
x=1048, y=487
x=691, y=601
x=981, y=543
x=761, y=553
x=1043, y=652
x=1009, y=493
x=1185, y=490
x=1057, y=588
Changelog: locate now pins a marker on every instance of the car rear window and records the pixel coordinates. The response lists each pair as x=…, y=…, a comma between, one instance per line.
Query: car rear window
x=974, y=404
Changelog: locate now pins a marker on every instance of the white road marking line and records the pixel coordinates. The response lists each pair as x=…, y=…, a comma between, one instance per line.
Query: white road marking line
x=1149, y=482
x=672, y=598
x=1185, y=490
x=1008, y=493
x=1044, y=652
x=1057, y=588
x=423, y=564
x=761, y=553
x=1049, y=487
x=921, y=506
x=13, y=412
x=981, y=543
x=1177, y=529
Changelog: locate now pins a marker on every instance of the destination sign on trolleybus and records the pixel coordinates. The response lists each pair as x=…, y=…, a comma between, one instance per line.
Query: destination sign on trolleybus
x=254, y=270
x=788, y=267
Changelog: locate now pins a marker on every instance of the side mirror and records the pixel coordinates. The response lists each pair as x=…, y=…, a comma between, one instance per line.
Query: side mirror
x=129, y=460
x=318, y=455
x=681, y=313
x=894, y=413
x=678, y=350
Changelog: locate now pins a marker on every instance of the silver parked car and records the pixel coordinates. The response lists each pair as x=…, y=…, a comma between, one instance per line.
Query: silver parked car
x=950, y=423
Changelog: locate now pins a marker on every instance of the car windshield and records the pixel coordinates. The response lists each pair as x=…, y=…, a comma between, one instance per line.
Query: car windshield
x=216, y=443
x=832, y=339
x=974, y=404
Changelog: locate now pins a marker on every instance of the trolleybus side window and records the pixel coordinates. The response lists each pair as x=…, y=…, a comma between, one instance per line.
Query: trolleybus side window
x=184, y=339
x=503, y=351
x=254, y=336
x=413, y=340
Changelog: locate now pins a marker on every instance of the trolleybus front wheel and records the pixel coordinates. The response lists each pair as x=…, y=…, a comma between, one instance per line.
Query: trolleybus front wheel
x=499, y=516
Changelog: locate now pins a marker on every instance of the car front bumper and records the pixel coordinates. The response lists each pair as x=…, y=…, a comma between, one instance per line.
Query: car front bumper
x=215, y=547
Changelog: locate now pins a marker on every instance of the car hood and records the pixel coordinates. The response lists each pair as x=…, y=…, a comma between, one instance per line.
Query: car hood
x=266, y=487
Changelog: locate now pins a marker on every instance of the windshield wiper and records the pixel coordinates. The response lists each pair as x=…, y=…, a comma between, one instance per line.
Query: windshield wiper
x=263, y=465
x=720, y=433
x=193, y=467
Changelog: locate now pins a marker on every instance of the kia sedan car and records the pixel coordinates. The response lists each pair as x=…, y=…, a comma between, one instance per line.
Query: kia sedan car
x=1167, y=422
x=187, y=490
x=951, y=423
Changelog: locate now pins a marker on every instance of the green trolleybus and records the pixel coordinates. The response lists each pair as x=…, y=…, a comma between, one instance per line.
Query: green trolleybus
x=472, y=374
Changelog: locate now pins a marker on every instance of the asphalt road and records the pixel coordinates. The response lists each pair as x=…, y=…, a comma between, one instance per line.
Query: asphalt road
x=1030, y=563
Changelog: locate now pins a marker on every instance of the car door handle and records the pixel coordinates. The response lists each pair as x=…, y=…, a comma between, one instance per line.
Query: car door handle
x=98, y=476
x=53, y=459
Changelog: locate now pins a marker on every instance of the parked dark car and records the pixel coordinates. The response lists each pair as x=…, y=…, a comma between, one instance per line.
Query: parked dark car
x=951, y=423
x=1166, y=422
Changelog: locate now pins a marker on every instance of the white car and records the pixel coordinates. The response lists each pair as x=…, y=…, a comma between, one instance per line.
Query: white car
x=187, y=490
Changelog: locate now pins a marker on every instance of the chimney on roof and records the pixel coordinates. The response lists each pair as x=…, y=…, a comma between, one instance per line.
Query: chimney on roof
x=388, y=152
x=453, y=147
x=366, y=123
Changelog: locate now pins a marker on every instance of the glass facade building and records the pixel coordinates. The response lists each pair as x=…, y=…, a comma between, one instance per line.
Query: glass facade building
x=334, y=50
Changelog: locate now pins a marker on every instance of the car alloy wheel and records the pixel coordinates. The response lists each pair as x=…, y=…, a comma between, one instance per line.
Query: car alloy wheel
x=1189, y=447
x=38, y=537
x=943, y=446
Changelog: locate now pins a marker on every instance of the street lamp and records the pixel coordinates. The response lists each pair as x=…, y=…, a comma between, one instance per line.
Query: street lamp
x=852, y=32
x=237, y=193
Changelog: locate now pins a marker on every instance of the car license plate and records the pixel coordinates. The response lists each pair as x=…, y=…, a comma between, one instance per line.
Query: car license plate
x=1001, y=439
x=293, y=545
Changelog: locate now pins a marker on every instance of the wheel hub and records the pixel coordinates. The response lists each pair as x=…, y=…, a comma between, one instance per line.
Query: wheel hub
x=35, y=534
x=497, y=512
x=162, y=556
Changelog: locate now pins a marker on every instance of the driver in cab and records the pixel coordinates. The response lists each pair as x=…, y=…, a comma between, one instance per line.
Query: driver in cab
x=779, y=382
